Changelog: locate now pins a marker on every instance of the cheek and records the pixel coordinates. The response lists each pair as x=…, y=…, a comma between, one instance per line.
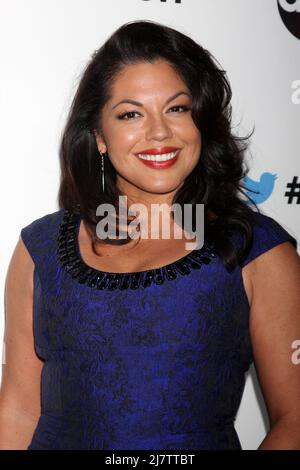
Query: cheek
x=194, y=145
x=189, y=134
x=124, y=142
x=118, y=135
x=195, y=136
x=194, y=153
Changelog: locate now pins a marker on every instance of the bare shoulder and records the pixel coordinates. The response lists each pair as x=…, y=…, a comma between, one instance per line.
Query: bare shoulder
x=274, y=325
x=22, y=367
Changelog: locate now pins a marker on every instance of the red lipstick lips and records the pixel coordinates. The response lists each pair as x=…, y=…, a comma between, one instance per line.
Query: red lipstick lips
x=159, y=151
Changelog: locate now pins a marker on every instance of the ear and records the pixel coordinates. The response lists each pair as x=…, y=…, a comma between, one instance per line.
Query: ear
x=100, y=141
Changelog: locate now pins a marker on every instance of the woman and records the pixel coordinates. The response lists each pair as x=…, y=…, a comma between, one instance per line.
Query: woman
x=141, y=344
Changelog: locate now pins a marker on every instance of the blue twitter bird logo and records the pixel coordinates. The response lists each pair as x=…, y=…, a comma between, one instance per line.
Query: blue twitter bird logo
x=263, y=188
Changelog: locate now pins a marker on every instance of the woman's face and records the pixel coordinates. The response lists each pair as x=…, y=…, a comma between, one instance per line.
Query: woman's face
x=157, y=122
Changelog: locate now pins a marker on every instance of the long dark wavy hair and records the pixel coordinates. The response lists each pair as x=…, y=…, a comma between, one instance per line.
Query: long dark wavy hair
x=216, y=180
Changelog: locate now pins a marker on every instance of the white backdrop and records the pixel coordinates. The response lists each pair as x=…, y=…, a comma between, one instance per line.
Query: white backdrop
x=44, y=47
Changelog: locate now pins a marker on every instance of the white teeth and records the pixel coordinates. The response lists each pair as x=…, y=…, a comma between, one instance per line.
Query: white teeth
x=158, y=158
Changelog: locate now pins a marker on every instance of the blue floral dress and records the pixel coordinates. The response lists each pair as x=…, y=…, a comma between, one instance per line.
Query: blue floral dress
x=147, y=360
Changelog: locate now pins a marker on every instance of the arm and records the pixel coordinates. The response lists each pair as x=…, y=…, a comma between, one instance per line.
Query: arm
x=20, y=386
x=274, y=326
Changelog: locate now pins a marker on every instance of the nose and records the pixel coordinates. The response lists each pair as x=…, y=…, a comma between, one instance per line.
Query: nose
x=157, y=128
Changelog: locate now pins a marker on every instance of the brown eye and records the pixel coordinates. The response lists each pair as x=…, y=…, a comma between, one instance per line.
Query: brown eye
x=122, y=116
x=185, y=108
x=128, y=113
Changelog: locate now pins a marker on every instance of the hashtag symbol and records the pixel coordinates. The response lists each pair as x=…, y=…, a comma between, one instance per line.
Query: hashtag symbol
x=294, y=191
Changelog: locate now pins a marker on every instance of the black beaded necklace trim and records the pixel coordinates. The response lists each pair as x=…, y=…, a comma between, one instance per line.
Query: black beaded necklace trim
x=70, y=258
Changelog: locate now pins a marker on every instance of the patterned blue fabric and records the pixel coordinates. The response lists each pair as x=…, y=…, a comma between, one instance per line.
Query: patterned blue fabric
x=156, y=368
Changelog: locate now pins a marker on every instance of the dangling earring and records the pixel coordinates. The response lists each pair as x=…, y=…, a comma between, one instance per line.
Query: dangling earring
x=102, y=170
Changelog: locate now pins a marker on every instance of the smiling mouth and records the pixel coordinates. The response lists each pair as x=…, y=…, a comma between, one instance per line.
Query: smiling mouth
x=159, y=157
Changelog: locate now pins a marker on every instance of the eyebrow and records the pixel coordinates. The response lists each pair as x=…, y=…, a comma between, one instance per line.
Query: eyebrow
x=137, y=103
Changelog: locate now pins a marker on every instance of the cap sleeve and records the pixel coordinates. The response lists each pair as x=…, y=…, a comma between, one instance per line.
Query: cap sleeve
x=30, y=237
x=40, y=235
x=267, y=233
